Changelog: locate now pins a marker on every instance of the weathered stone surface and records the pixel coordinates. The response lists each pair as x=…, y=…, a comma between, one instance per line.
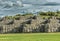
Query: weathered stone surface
x=30, y=25
x=8, y=22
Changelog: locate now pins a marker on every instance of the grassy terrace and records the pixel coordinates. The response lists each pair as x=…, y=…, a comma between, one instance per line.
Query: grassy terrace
x=30, y=37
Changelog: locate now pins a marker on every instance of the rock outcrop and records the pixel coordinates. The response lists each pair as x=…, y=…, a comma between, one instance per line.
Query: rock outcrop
x=31, y=24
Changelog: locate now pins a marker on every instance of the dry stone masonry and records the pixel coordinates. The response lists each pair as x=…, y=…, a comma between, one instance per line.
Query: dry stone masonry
x=32, y=24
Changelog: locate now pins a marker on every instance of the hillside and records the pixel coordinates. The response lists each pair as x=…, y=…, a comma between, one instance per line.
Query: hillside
x=29, y=23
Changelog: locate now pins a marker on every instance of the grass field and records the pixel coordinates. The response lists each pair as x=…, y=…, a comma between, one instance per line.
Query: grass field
x=30, y=37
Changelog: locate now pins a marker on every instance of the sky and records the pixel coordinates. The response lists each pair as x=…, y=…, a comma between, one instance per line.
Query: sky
x=58, y=1
x=35, y=1
x=39, y=1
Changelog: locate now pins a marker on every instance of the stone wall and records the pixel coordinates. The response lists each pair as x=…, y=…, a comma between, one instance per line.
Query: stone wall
x=30, y=24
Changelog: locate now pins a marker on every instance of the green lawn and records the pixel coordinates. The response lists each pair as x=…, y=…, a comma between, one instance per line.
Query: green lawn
x=30, y=37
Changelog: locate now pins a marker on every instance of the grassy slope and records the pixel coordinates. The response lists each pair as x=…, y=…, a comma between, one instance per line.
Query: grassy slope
x=30, y=37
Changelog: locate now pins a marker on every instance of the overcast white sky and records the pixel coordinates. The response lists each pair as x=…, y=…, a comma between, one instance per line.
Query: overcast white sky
x=54, y=1
x=39, y=1
x=36, y=1
x=44, y=0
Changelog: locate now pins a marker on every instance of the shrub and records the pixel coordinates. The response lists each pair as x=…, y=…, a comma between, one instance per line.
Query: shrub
x=8, y=17
x=48, y=13
x=58, y=12
x=27, y=14
x=43, y=17
x=16, y=17
x=51, y=13
x=42, y=13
